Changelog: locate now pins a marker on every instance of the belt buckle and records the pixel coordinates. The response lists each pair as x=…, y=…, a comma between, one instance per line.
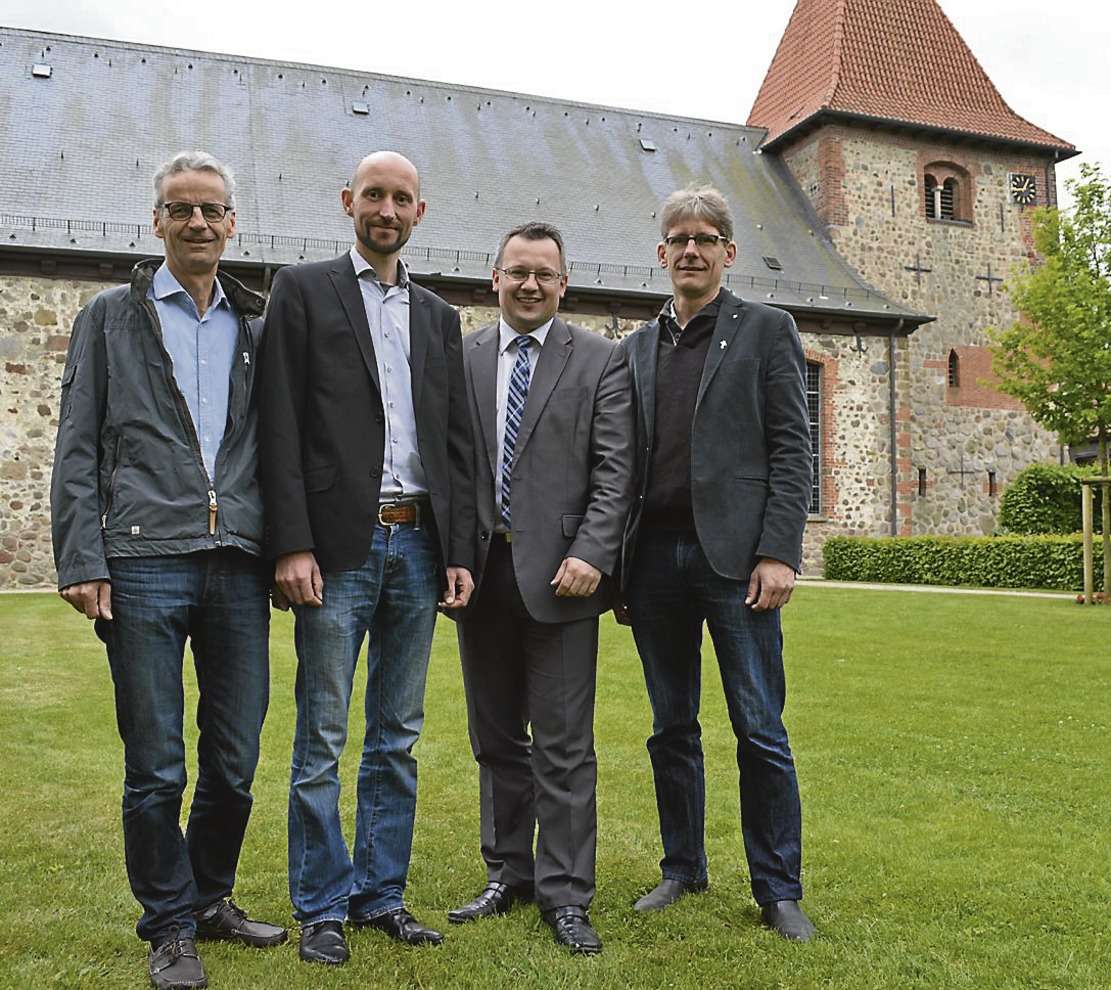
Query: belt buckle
x=381, y=508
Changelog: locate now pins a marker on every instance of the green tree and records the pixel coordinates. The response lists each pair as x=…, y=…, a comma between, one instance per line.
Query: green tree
x=1056, y=358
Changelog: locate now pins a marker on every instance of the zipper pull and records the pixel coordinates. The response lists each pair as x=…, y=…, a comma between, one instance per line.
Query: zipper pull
x=212, y=513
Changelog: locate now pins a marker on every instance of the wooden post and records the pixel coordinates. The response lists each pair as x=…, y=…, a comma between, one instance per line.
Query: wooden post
x=1086, y=517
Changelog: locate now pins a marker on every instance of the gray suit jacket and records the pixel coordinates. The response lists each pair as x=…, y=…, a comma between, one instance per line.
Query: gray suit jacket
x=750, y=441
x=572, y=476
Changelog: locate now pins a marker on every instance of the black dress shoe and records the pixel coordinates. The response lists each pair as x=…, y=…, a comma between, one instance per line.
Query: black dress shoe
x=496, y=899
x=175, y=965
x=786, y=918
x=400, y=924
x=228, y=922
x=571, y=927
x=324, y=943
x=666, y=893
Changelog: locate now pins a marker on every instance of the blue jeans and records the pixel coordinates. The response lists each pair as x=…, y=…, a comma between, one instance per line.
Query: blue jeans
x=390, y=600
x=672, y=590
x=219, y=600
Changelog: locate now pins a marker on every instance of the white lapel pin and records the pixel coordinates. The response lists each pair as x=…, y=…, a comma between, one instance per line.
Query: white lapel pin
x=723, y=345
x=246, y=357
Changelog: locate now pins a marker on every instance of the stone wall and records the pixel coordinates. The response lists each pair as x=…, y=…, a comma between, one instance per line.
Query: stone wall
x=868, y=187
x=35, y=317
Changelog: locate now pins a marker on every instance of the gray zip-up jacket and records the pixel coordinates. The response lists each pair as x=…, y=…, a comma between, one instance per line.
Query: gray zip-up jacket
x=129, y=480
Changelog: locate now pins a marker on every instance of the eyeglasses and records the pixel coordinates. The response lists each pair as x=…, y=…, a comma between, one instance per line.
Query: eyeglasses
x=545, y=276
x=212, y=212
x=700, y=240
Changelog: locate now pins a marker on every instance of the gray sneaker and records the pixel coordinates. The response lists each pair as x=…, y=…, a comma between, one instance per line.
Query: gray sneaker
x=175, y=965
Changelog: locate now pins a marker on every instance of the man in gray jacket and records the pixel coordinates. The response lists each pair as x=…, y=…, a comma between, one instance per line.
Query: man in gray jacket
x=157, y=525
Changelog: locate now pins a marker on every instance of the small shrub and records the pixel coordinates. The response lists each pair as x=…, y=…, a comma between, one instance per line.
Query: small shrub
x=1053, y=561
x=1045, y=498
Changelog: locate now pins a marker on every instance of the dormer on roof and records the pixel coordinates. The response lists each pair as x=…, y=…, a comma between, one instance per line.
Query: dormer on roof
x=892, y=62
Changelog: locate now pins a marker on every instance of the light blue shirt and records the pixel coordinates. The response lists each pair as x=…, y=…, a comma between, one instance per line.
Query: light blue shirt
x=203, y=350
x=387, y=313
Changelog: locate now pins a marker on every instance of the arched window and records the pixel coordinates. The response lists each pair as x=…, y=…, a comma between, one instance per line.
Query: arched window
x=947, y=192
x=954, y=370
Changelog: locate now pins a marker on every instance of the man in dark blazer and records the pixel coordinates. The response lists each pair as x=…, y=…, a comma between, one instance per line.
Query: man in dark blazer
x=551, y=410
x=367, y=468
x=723, y=484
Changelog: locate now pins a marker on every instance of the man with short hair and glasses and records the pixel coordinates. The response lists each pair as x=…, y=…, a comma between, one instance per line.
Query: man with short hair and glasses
x=550, y=406
x=368, y=479
x=723, y=486
x=157, y=525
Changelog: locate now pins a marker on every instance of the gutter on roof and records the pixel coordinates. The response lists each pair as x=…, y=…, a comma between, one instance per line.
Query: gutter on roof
x=1062, y=152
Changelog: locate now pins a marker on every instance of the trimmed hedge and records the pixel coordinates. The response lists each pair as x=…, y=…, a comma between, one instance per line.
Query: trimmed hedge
x=1045, y=498
x=1055, y=562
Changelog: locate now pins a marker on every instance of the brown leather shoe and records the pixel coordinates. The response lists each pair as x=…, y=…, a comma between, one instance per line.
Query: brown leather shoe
x=572, y=930
x=227, y=922
x=401, y=925
x=497, y=898
x=175, y=965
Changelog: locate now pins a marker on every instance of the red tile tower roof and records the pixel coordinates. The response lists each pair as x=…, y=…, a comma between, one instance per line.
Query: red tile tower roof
x=896, y=61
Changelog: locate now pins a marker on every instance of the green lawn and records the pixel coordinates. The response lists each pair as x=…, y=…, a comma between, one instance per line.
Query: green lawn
x=955, y=760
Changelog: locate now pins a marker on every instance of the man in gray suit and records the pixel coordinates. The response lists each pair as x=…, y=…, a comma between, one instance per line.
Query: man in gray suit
x=551, y=409
x=715, y=537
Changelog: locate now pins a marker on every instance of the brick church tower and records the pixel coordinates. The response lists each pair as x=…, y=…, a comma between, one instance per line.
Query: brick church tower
x=926, y=180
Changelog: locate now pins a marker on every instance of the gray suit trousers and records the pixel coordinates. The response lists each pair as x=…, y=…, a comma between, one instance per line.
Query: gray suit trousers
x=520, y=673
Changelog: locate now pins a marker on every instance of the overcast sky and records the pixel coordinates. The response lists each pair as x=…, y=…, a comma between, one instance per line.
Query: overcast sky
x=1050, y=61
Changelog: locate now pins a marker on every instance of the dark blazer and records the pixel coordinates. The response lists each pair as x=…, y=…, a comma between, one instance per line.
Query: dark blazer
x=750, y=441
x=572, y=477
x=321, y=423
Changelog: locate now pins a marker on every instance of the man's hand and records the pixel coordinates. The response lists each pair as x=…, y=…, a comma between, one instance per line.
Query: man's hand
x=298, y=578
x=576, y=579
x=460, y=584
x=93, y=599
x=770, y=585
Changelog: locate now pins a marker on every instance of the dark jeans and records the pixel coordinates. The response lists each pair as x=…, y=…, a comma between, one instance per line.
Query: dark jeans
x=391, y=602
x=219, y=600
x=672, y=591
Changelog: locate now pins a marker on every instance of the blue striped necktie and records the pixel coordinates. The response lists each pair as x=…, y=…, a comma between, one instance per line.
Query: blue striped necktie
x=514, y=411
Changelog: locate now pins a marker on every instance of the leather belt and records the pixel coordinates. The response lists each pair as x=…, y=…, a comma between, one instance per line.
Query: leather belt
x=396, y=513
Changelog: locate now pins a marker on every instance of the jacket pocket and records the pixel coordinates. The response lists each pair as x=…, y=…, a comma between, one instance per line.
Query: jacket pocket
x=320, y=479
x=67, y=381
x=571, y=525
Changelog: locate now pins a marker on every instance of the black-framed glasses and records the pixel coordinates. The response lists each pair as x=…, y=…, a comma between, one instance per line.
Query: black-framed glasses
x=544, y=276
x=700, y=240
x=212, y=212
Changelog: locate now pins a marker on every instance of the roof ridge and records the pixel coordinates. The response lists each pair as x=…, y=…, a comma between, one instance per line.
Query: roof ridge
x=838, y=52
x=347, y=70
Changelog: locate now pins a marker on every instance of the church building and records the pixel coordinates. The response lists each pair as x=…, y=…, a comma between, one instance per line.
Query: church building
x=882, y=190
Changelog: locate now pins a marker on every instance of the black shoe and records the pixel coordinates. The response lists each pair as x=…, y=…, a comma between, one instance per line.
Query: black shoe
x=175, y=965
x=496, y=899
x=786, y=918
x=324, y=943
x=400, y=924
x=571, y=927
x=228, y=922
x=666, y=893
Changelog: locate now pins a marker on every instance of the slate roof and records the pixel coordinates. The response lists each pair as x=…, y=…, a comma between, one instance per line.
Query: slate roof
x=78, y=148
x=886, y=60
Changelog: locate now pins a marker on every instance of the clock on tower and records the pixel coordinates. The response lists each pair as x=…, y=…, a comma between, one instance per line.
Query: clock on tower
x=1024, y=189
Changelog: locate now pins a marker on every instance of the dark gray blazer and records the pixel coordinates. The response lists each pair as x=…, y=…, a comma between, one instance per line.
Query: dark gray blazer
x=321, y=424
x=750, y=441
x=572, y=479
